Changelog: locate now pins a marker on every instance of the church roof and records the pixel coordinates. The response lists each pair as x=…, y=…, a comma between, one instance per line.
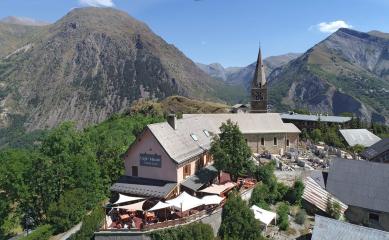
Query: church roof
x=193, y=133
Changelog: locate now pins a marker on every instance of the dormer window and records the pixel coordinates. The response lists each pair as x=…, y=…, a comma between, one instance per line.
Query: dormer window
x=194, y=137
x=206, y=133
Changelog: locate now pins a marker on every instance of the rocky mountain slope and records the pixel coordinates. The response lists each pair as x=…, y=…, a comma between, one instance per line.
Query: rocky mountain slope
x=244, y=75
x=91, y=63
x=346, y=72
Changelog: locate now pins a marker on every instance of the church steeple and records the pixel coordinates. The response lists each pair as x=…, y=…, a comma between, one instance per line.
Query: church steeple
x=259, y=87
x=259, y=75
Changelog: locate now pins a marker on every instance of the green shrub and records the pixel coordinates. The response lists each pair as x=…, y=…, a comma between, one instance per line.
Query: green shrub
x=301, y=216
x=43, y=232
x=90, y=224
x=282, y=212
x=333, y=209
x=194, y=231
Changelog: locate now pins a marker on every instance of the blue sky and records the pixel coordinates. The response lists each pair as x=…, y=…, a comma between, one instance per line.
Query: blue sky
x=228, y=31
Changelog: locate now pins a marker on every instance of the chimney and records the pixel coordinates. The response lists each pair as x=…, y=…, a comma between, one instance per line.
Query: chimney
x=171, y=119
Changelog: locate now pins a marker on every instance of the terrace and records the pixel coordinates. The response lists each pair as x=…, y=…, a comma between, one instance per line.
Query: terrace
x=138, y=214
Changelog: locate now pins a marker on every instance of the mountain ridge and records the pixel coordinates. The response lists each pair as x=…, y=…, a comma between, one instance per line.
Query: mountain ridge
x=90, y=64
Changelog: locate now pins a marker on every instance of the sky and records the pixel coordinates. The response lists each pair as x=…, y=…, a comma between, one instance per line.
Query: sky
x=229, y=31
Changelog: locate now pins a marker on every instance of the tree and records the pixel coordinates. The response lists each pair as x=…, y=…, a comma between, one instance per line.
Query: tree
x=230, y=151
x=295, y=193
x=260, y=196
x=68, y=211
x=316, y=135
x=283, y=219
x=238, y=220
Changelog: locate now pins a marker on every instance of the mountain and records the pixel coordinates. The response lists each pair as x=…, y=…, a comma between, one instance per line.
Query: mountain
x=346, y=72
x=90, y=64
x=244, y=75
x=23, y=21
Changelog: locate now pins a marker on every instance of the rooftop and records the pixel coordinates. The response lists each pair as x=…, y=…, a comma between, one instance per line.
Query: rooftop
x=360, y=183
x=203, y=176
x=143, y=186
x=193, y=133
x=314, y=118
x=376, y=149
x=359, y=137
x=331, y=229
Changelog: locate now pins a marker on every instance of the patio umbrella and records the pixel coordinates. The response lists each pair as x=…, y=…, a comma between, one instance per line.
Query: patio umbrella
x=185, y=202
x=124, y=198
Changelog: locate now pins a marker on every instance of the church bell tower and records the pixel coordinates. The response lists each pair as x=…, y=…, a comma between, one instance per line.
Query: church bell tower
x=259, y=88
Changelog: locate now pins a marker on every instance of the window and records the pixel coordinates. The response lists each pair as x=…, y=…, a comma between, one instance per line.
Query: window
x=194, y=137
x=206, y=133
x=134, y=171
x=186, y=170
x=287, y=142
x=275, y=141
x=374, y=217
x=263, y=141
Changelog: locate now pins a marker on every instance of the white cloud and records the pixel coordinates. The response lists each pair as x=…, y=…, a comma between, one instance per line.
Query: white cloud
x=330, y=27
x=97, y=3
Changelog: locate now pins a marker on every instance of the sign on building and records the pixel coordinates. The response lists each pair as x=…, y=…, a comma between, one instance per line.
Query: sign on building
x=150, y=160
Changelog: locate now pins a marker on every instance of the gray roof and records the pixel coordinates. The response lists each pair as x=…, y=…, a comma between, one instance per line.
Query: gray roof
x=360, y=183
x=376, y=149
x=317, y=176
x=314, y=118
x=359, y=136
x=180, y=146
x=331, y=229
x=204, y=176
x=143, y=186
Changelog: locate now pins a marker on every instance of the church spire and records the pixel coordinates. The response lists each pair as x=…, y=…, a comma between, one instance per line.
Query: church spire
x=259, y=87
x=259, y=76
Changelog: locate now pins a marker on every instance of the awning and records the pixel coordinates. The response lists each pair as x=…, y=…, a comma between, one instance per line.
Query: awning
x=217, y=189
x=185, y=202
x=124, y=198
x=202, y=177
x=133, y=207
x=160, y=205
x=263, y=215
x=212, y=199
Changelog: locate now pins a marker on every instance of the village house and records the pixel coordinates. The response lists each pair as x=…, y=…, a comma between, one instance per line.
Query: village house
x=363, y=186
x=170, y=155
x=378, y=152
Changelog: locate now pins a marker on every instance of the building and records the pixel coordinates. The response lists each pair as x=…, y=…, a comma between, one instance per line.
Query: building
x=309, y=122
x=331, y=229
x=240, y=108
x=378, y=152
x=168, y=155
x=363, y=186
x=359, y=137
x=263, y=132
x=259, y=88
